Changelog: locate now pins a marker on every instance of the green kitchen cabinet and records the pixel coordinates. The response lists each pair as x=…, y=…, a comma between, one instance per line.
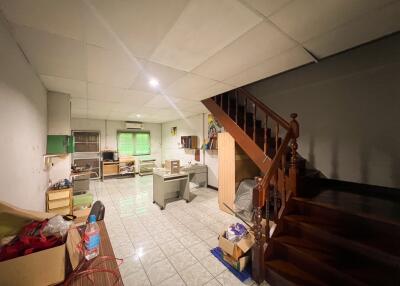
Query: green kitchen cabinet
x=60, y=144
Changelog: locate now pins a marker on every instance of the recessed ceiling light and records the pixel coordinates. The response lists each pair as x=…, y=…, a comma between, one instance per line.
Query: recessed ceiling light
x=138, y=115
x=153, y=82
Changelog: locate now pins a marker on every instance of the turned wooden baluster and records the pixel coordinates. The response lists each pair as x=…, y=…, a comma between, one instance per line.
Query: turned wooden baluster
x=266, y=135
x=258, y=247
x=236, y=107
x=254, y=121
x=229, y=104
x=245, y=114
x=293, y=170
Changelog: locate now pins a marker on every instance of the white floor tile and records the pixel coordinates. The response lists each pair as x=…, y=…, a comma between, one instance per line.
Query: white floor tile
x=155, y=243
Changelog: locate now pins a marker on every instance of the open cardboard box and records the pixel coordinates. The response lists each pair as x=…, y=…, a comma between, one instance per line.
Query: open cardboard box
x=236, y=249
x=46, y=267
x=238, y=264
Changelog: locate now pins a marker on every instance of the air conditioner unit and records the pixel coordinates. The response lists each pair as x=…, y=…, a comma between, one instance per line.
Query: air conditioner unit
x=133, y=125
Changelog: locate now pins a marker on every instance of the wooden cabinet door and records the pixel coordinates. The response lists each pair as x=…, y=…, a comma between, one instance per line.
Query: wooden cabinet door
x=226, y=171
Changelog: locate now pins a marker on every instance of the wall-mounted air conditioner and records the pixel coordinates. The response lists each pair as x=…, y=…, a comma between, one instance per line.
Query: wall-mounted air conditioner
x=133, y=125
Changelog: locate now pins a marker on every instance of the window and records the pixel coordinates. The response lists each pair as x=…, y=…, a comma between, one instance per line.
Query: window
x=133, y=143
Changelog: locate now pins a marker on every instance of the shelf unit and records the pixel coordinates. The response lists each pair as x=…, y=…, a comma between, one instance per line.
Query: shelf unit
x=212, y=144
x=189, y=142
x=87, y=151
x=146, y=166
x=124, y=166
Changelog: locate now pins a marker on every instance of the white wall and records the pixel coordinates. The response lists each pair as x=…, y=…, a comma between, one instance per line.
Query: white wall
x=191, y=126
x=348, y=108
x=59, y=123
x=23, y=128
x=108, y=134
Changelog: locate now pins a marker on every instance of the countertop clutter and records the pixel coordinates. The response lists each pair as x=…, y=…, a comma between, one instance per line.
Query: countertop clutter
x=38, y=248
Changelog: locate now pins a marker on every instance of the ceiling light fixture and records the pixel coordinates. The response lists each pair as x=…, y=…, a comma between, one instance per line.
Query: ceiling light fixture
x=138, y=115
x=153, y=82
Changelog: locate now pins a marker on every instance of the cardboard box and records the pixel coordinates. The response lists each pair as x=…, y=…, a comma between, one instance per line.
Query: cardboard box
x=237, y=249
x=46, y=267
x=239, y=264
x=172, y=166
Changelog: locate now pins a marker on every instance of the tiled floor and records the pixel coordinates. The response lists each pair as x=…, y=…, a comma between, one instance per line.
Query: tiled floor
x=169, y=247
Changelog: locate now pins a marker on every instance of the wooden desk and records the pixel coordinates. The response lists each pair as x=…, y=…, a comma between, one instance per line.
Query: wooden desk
x=103, y=279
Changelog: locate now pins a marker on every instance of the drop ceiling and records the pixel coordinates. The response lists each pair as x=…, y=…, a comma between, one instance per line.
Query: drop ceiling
x=103, y=53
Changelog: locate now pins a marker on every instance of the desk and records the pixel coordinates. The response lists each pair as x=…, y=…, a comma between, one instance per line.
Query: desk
x=197, y=174
x=169, y=187
x=105, y=250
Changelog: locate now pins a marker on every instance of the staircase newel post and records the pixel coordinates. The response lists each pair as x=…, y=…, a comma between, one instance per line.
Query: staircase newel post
x=293, y=169
x=258, y=247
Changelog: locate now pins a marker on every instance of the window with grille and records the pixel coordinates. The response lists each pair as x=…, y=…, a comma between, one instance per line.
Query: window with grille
x=133, y=143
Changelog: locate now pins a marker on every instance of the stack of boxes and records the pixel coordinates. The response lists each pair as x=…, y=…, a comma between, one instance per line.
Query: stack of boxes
x=236, y=249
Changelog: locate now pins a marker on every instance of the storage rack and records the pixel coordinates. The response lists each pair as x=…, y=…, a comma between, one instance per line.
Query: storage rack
x=87, y=151
x=146, y=166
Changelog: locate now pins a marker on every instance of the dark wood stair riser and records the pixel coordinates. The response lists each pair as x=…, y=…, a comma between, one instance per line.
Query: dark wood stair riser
x=378, y=234
x=347, y=248
x=309, y=263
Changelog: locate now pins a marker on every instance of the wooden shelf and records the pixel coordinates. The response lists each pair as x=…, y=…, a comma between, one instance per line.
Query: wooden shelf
x=189, y=142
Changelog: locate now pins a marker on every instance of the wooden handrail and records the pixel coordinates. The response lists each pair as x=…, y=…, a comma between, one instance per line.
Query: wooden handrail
x=276, y=160
x=281, y=121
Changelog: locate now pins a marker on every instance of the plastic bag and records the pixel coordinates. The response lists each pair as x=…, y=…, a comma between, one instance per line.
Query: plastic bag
x=244, y=199
x=57, y=226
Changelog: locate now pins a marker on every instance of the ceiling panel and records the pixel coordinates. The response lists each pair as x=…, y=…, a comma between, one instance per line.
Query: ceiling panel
x=125, y=108
x=305, y=19
x=51, y=54
x=162, y=101
x=267, y=7
x=97, y=115
x=141, y=25
x=216, y=88
x=96, y=32
x=75, y=88
x=202, y=29
x=100, y=105
x=137, y=98
x=79, y=103
x=111, y=67
x=186, y=86
x=78, y=113
x=118, y=115
x=164, y=75
x=285, y=61
x=262, y=42
x=105, y=92
x=364, y=29
x=198, y=108
x=62, y=17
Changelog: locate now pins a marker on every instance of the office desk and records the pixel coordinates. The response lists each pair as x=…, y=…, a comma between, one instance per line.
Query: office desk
x=103, y=279
x=169, y=187
x=198, y=174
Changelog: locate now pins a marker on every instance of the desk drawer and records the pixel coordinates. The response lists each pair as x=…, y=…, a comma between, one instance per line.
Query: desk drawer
x=111, y=169
x=61, y=211
x=59, y=203
x=58, y=195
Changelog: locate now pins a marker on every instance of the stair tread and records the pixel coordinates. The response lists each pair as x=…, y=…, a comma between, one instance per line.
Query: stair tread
x=386, y=211
x=292, y=273
x=370, y=231
x=315, y=225
x=354, y=270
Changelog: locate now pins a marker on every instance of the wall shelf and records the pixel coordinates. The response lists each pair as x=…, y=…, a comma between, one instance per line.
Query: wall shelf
x=189, y=142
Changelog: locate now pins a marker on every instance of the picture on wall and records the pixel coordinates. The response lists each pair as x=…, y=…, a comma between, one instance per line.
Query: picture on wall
x=174, y=131
x=213, y=126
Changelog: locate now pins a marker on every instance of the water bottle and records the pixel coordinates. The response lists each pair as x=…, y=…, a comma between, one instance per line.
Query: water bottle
x=92, y=238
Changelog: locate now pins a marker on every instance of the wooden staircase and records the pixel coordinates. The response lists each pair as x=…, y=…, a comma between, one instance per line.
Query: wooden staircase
x=328, y=232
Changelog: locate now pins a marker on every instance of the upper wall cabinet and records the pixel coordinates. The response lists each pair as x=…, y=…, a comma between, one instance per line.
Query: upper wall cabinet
x=58, y=113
